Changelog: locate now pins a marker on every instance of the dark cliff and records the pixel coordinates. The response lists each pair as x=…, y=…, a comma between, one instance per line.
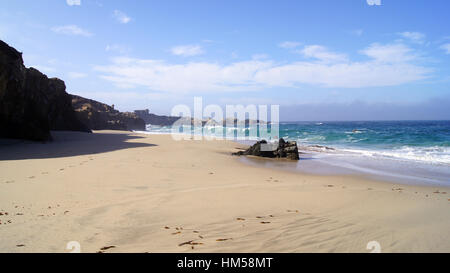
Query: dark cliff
x=99, y=116
x=30, y=103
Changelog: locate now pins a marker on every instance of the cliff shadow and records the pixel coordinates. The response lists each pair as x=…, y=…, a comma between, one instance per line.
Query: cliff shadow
x=67, y=144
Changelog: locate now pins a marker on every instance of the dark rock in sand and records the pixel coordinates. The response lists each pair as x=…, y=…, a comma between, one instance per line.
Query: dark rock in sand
x=153, y=119
x=282, y=149
x=30, y=103
x=100, y=116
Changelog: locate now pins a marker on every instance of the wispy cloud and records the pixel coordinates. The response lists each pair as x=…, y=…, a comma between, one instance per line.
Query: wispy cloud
x=121, y=49
x=121, y=17
x=187, y=50
x=446, y=47
x=71, y=30
x=289, y=44
x=389, y=53
x=415, y=37
x=382, y=69
x=73, y=2
x=321, y=53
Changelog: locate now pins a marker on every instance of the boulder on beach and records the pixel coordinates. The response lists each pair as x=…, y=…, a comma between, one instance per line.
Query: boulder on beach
x=281, y=149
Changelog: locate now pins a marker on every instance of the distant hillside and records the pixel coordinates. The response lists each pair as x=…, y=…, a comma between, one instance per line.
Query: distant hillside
x=100, y=116
x=155, y=119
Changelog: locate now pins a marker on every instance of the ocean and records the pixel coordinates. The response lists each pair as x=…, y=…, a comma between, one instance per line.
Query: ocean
x=407, y=151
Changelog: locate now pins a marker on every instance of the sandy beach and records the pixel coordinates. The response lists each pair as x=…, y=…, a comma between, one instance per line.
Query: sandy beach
x=128, y=192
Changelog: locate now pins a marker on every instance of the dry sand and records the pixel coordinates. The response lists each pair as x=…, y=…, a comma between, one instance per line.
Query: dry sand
x=149, y=193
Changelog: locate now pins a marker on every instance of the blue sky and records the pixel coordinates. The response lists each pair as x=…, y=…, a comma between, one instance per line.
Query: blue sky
x=319, y=60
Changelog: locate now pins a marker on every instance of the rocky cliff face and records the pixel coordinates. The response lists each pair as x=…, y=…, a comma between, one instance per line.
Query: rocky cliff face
x=99, y=116
x=30, y=103
x=155, y=119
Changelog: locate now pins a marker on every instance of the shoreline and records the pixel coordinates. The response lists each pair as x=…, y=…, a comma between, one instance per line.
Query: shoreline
x=148, y=193
x=340, y=162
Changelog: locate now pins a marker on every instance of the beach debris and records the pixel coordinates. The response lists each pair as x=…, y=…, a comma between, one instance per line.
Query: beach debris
x=259, y=217
x=240, y=219
x=21, y=245
x=271, y=215
x=329, y=186
x=191, y=242
x=296, y=211
x=200, y=236
x=106, y=248
x=265, y=222
x=437, y=191
x=280, y=149
x=175, y=233
x=166, y=227
x=223, y=240
x=31, y=177
x=66, y=212
x=19, y=213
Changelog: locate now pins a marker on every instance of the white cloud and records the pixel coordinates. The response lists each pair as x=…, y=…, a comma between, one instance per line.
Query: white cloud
x=73, y=2
x=121, y=17
x=321, y=53
x=289, y=44
x=187, y=50
x=390, y=53
x=77, y=75
x=415, y=37
x=71, y=30
x=159, y=75
x=446, y=47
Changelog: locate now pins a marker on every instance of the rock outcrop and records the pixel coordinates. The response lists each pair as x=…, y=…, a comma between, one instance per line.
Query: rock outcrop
x=282, y=149
x=99, y=116
x=30, y=103
x=153, y=119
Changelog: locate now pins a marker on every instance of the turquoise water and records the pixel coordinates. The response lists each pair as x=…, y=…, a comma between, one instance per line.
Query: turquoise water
x=427, y=141
x=409, y=151
x=410, y=140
